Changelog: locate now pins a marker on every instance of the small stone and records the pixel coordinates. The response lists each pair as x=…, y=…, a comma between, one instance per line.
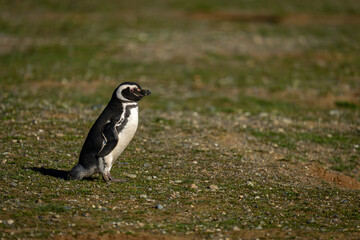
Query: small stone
x=10, y=222
x=131, y=175
x=334, y=112
x=178, y=181
x=213, y=187
x=287, y=120
x=143, y=196
x=96, y=107
x=13, y=184
x=39, y=201
x=263, y=115
x=193, y=186
x=257, y=197
x=310, y=221
x=236, y=228
x=159, y=207
x=250, y=183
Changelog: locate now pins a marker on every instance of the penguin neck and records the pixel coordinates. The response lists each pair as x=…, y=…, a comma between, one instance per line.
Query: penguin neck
x=124, y=104
x=121, y=103
x=129, y=103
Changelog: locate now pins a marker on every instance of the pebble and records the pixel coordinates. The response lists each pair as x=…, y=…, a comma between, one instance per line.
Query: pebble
x=193, y=186
x=143, y=196
x=10, y=222
x=263, y=115
x=96, y=107
x=131, y=175
x=213, y=187
x=236, y=228
x=158, y=206
x=310, y=221
x=13, y=184
x=334, y=112
x=249, y=183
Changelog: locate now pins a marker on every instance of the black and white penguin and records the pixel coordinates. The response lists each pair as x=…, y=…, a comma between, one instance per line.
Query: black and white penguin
x=111, y=133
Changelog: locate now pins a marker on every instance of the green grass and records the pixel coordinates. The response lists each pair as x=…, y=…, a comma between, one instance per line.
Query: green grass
x=249, y=105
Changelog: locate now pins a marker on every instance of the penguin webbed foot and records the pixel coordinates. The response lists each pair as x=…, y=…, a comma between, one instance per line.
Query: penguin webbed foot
x=109, y=178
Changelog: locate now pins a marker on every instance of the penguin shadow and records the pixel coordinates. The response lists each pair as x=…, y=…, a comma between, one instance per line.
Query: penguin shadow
x=56, y=173
x=62, y=174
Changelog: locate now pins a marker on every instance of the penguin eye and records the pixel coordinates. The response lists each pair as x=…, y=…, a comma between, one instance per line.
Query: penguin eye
x=131, y=90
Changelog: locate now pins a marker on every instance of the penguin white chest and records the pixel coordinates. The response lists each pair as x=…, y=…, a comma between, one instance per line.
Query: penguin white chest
x=128, y=130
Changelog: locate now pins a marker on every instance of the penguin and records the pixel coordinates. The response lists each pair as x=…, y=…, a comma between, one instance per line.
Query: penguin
x=110, y=134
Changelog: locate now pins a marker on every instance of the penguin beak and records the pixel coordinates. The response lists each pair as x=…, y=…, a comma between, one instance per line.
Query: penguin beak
x=144, y=92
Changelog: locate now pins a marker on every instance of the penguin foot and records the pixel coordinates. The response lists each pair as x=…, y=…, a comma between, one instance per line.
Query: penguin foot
x=108, y=178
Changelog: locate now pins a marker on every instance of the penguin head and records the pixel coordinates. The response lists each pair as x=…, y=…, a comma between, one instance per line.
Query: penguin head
x=130, y=91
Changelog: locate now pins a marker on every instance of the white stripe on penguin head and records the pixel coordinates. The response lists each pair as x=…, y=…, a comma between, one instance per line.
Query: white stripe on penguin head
x=120, y=89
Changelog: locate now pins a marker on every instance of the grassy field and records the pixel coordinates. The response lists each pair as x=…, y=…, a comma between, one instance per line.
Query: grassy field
x=252, y=129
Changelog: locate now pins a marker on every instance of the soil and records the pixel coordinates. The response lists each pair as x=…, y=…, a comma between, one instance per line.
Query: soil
x=334, y=177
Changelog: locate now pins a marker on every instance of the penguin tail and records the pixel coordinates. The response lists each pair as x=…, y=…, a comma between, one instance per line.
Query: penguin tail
x=76, y=173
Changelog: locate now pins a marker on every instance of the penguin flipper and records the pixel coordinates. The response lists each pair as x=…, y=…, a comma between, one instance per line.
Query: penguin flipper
x=111, y=139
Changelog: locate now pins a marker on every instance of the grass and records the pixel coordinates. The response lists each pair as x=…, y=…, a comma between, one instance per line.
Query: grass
x=264, y=109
